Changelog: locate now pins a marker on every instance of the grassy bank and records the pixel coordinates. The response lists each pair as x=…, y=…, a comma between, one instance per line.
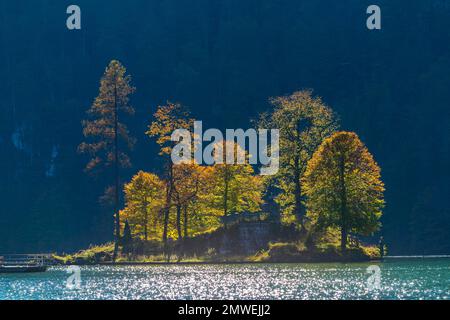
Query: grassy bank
x=92, y=255
x=278, y=252
x=297, y=252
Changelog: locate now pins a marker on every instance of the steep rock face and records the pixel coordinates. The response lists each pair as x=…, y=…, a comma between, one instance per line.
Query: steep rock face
x=243, y=238
x=254, y=236
x=248, y=238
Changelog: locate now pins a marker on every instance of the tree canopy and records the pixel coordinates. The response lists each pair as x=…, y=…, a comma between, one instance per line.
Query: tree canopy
x=144, y=200
x=343, y=186
x=304, y=121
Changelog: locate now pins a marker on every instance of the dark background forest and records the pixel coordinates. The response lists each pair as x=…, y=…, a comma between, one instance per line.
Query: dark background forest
x=223, y=59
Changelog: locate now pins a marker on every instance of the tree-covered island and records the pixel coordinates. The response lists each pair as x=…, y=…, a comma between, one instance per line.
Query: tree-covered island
x=324, y=203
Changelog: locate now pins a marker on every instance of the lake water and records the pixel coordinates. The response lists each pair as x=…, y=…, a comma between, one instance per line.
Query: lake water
x=419, y=279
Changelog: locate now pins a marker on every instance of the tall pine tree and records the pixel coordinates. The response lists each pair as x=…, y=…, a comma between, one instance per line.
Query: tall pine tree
x=107, y=137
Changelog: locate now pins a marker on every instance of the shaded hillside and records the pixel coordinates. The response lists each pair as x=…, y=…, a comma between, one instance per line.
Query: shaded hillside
x=223, y=59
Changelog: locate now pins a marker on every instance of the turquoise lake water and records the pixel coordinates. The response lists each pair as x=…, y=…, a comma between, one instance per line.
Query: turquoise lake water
x=419, y=279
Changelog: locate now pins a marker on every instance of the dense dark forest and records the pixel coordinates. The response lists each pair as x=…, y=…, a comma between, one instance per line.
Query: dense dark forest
x=223, y=59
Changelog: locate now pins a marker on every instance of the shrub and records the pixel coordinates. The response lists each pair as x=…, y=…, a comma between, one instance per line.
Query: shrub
x=285, y=252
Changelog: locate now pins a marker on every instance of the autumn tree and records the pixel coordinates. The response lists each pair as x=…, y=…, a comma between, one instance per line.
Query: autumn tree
x=167, y=119
x=304, y=121
x=202, y=213
x=235, y=188
x=343, y=187
x=107, y=136
x=144, y=199
x=187, y=185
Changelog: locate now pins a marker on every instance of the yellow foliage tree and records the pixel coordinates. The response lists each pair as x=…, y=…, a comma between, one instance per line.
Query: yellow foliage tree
x=186, y=187
x=304, y=121
x=343, y=187
x=234, y=187
x=144, y=196
x=167, y=119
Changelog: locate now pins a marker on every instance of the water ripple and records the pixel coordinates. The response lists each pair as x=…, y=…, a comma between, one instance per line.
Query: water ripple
x=399, y=280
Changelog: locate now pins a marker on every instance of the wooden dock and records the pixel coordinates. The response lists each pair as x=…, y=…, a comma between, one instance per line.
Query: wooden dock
x=442, y=256
x=24, y=263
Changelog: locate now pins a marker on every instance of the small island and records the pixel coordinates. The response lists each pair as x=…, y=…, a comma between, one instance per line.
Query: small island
x=323, y=203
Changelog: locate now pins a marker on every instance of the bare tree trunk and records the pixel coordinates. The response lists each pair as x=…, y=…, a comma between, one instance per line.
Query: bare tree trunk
x=166, y=222
x=166, y=216
x=168, y=205
x=344, y=229
x=225, y=195
x=116, y=177
x=146, y=222
x=180, y=236
x=298, y=207
x=185, y=221
x=225, y=199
